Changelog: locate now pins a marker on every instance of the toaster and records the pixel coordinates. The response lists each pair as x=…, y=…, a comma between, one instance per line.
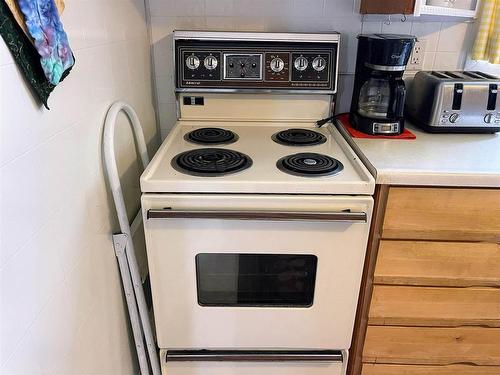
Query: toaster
x=454, y=102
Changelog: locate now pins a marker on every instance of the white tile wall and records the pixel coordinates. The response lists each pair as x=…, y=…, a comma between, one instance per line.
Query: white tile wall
x=62, y=310
x=447, y=42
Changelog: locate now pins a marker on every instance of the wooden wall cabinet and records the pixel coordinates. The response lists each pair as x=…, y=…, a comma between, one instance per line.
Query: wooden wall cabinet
x=387, y=6
x=417, y=8
x=430, y=299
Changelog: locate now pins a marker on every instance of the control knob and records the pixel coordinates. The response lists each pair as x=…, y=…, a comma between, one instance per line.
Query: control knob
x=454, y=117
x=210, y=62
x=192, y=62
x=301, y=63
x=277, y=65
x=319, y=64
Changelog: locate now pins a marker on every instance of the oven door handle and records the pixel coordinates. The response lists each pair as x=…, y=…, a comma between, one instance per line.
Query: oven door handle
x=253, y=356
x=347, y=216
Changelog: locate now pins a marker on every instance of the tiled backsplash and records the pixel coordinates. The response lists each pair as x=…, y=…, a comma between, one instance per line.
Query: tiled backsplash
x=447, y=42
x=62, y=307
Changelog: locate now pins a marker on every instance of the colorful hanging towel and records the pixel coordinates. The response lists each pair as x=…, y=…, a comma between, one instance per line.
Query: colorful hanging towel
x=25, y=55
x=16, y=12
x=44, y=26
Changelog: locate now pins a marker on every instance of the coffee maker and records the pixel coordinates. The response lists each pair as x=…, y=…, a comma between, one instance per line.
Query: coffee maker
x=379, y=90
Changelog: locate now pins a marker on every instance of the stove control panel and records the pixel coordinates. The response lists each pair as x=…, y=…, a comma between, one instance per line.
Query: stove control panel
x=243, y=66
x=277, y=67
x=201, y=65
x=310, y=67
x=229, y=65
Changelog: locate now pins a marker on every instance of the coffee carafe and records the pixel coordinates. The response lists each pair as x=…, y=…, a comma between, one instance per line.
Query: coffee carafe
x=379, y=90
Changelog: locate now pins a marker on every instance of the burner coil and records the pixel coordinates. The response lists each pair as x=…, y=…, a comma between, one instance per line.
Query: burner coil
x=299, y=137
x=309, y=164
x=211, y=162
x=211, y=136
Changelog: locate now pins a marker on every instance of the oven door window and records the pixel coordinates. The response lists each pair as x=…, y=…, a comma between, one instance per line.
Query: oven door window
x=256, y=279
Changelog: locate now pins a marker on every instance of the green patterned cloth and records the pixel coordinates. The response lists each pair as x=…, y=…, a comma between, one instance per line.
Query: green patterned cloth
x=25, y=55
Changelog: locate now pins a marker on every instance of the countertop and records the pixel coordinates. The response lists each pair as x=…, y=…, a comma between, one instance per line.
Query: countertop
x=431, y=159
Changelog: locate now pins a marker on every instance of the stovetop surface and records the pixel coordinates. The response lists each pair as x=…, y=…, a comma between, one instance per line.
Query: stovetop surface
x=263, y=176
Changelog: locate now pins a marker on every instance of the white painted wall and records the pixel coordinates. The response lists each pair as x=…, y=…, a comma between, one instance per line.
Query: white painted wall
x=62, y=310
x=447, y=45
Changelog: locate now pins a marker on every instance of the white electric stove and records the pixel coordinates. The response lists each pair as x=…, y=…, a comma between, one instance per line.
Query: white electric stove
x=256, y=220
x=329, y=167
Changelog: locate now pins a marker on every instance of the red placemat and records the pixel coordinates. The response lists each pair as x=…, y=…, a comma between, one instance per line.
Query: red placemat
x=344, y=120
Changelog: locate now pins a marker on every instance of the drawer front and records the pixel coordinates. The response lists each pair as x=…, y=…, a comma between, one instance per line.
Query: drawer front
x=425, y=306
x=443, y=214
x=438, y=263
x=372, y=369
x=208, y=363
x=261, y=368
x=432, y=346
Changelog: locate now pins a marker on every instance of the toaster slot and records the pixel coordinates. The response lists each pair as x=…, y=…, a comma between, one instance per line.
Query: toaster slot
x=458, y=91
x=492, y=97
x=453, y=75
x=439, y=75
x=484, y=75
x=473, y=75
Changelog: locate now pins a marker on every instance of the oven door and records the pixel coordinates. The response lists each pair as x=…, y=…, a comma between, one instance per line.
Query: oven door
x=205, y=362
x=253, y=271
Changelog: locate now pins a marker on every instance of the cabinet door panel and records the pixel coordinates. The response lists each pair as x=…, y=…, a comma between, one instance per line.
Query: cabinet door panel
x=438, y=263
x=372, y=369
x=424, y=306
x=432, y=346
x=443, y=214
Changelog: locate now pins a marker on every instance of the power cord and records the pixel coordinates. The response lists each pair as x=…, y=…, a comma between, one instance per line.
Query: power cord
x=323, y=121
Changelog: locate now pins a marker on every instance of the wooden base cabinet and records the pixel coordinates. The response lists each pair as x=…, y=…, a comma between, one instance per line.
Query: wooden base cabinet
x=375, y=369
x=430, y=299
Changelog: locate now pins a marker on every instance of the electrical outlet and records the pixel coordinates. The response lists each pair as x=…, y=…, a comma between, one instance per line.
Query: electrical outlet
x=416, y=61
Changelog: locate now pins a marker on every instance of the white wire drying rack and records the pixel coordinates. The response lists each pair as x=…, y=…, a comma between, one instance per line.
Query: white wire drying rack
x=123, y=241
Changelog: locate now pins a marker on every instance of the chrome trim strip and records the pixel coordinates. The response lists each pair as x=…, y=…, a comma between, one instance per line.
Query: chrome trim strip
x=254, y=91
x=386, y=68
x=337, y=66
x=252, y=356
x=347, y=216
x=246, y=36
x=354, y=148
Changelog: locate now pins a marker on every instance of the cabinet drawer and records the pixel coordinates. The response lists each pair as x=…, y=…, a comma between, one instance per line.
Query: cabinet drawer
x=424, y=306
x=227, y=362
x=432, y=346
x=372, y=369
x=443, y=214
x=438, y=263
